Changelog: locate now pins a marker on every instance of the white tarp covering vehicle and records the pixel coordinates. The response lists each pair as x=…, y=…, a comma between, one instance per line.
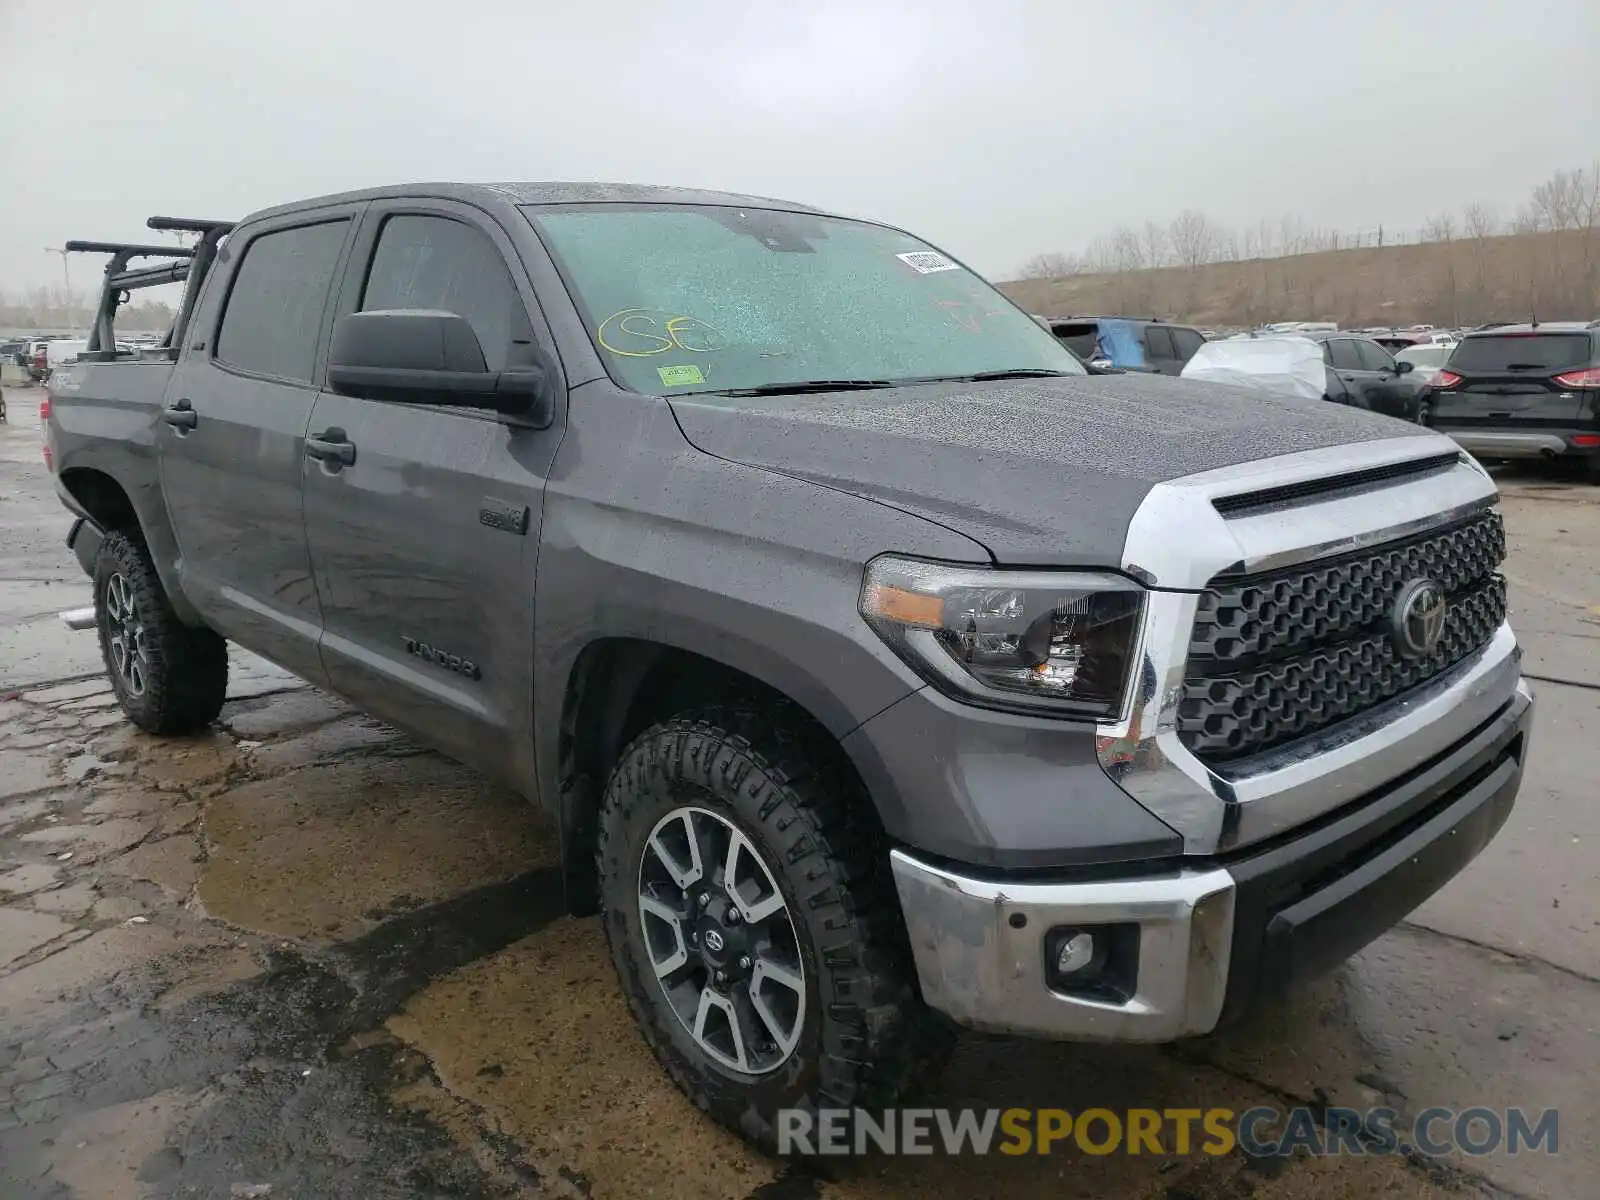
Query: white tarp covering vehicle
x=1281, y=365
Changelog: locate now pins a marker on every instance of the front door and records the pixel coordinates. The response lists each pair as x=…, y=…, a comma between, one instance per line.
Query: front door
x=230, y=443
x=424, y=543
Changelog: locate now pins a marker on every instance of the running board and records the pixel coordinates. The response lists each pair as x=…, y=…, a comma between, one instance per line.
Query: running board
x=78, y=618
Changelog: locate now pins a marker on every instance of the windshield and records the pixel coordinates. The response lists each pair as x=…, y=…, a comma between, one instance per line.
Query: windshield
x=1425, y=356
x=681, y=298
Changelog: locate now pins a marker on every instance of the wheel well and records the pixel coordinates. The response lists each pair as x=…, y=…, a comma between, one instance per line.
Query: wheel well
x=102, y=498
x=618, y=688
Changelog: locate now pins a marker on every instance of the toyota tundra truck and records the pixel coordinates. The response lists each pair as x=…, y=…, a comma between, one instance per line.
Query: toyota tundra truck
x=884, y=672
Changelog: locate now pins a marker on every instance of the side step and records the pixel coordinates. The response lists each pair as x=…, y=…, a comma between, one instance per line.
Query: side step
x=78, y=618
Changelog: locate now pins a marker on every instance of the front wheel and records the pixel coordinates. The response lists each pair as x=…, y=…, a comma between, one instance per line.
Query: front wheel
x=751, y=924
x=1424, y=411
x=168, y=677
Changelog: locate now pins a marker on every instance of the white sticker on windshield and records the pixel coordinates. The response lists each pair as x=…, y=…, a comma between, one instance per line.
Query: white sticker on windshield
x=926, y=262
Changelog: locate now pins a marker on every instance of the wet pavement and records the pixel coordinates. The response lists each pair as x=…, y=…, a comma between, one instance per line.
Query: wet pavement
x=301, y=956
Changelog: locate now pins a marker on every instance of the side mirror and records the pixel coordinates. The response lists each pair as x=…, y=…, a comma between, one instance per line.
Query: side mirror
x=1404, y=367
x=425, y=356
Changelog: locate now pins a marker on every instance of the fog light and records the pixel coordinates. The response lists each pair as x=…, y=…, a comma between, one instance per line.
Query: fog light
x=1098, y=961
x=1075, y=953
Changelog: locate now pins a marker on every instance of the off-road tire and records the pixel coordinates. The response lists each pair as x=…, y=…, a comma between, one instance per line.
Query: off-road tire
x=185, y=670
x=867, y=1040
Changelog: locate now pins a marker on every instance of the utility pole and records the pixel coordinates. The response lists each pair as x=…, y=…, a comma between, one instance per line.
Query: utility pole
x=66, y=280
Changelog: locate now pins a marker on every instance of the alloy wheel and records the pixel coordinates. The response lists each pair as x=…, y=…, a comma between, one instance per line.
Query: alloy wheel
x=125, y=635
x=721, y=941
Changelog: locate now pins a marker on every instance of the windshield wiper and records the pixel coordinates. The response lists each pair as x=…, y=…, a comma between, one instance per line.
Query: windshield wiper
x=803, y=386
x=1008, y=373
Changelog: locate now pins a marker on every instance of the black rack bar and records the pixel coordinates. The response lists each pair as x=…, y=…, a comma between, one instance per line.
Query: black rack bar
x=127, y=281
x=189, y=224
x=190, y=266
x=129, y=249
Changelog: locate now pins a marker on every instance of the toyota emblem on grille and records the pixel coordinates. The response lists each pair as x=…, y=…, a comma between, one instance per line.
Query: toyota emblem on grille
x=1417, y=619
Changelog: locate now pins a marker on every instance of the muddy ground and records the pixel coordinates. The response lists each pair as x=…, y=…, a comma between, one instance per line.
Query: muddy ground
x=299, y=956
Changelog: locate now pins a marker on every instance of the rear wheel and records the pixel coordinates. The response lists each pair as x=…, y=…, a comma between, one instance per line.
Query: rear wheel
x=1425, y=411
x=753, y=928
x=168, y=677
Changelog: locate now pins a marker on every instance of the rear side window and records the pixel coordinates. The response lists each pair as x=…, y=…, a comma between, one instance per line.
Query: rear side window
x=437, y=263
x=1343, y=355
x=1186, y=342
x=1374, y=357
x=1158, y=342
x=274, y=311
x=1077, y=336
x=1524, y=352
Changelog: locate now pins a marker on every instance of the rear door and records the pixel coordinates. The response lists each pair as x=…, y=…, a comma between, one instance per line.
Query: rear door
x=1390, y=392
x=231, y=443
x=1508, y=380
x=425, y=543
x=1345, y=358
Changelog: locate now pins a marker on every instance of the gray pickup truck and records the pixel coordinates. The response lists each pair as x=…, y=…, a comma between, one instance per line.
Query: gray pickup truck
x=884, y=672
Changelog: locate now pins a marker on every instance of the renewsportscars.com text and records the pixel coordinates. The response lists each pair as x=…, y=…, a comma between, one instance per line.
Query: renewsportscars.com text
x=1259, y=1132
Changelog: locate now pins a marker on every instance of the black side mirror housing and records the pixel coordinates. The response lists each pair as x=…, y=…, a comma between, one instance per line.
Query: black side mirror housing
x=426, y=356
x=1403, y=367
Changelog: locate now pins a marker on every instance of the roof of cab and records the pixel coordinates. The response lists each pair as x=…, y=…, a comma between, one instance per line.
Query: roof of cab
x=538, y=193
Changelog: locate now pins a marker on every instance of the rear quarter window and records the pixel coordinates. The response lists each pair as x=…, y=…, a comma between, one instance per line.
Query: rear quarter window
x=1524, y=352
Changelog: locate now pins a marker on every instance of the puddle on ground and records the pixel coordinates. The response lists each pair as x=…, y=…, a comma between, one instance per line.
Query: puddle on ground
x=328, y=853
x=564, y=1075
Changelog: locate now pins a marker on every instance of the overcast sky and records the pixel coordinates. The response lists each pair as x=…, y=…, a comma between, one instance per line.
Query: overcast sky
x=997, y=129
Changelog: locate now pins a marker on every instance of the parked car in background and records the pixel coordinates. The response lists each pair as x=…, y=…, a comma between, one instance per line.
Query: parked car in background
x=1374, y=379
x=1426, y=360
x=1525, y=391
x=1130, y=343
x=1281, y=366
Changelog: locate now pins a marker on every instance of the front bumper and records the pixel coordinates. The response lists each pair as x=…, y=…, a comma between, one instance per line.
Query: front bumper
x=1214, y=935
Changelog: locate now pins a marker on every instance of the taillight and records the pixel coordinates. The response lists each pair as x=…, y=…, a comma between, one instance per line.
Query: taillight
x=44, y=409
x=1589, y=377
x=1445, y=380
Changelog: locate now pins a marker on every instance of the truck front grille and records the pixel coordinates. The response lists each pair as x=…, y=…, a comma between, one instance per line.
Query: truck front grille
x=1280, y=655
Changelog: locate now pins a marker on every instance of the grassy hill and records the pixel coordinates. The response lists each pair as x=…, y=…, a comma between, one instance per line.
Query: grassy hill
x=1461, y=282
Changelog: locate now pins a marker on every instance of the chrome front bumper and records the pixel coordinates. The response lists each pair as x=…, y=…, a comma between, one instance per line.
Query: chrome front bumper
x=979, y=949
x=1214, y=935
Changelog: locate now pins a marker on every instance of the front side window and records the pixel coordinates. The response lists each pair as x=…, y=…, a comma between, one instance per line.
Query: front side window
x=436, y=263
x=274, y=311
x=1374, y=357
x=703, y=298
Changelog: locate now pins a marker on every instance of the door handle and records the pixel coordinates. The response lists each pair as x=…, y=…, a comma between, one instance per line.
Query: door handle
x=182, y=415
x=331, y=446
x=1348, y=378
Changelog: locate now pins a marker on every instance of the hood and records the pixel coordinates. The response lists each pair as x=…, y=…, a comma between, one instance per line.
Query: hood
x=1044, y=472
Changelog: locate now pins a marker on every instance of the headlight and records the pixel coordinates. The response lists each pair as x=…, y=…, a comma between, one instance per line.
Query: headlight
x=1056, y=640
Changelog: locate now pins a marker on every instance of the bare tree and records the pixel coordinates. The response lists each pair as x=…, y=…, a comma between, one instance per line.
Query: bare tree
x=1478, y=222
x=1155, y=245
x=1052, y=266
x=1440, y=228
x=1558, y=202
x=1194, y=239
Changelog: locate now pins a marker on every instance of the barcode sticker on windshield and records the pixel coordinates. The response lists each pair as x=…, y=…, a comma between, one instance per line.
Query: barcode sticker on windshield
x=926, y=262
